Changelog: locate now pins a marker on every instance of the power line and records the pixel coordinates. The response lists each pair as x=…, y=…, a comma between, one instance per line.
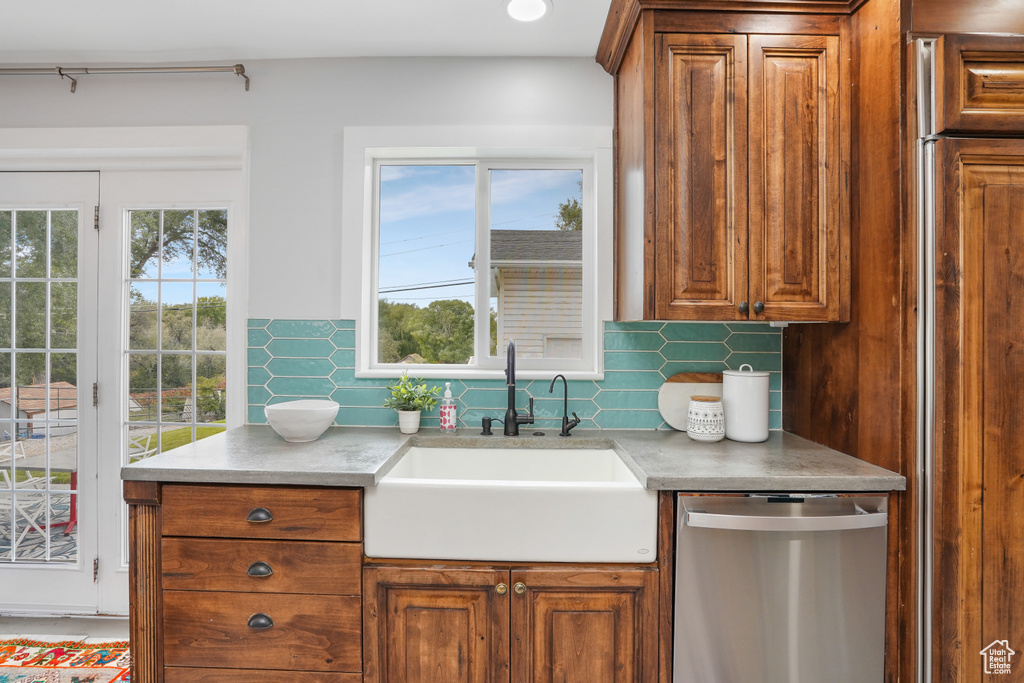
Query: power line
x=436, y=246
x=411, y=288
x=424, y=237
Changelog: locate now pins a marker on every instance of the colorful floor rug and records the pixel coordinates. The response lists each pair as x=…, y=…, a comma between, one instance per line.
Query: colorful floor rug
x=31, y=661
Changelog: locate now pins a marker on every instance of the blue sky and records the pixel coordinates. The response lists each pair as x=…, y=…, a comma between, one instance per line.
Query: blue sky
x=427, y=223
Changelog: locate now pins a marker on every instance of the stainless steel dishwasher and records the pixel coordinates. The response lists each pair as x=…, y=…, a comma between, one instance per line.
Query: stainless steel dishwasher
x=780, y=588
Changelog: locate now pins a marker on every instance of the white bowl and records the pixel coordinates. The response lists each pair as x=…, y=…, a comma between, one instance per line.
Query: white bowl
x=301, y=421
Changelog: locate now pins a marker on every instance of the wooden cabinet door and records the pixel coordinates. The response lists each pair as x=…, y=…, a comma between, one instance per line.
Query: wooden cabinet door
x=796, y=177
x=584, y=625
x=701, y=181
x=979, y=434
x=424, y=625
x=980, y=83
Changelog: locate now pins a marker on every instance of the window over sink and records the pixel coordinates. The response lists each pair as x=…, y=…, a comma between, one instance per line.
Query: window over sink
x=466, y=249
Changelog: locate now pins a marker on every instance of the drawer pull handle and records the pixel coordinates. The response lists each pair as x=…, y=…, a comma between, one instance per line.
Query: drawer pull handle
x=259, y=570
x=260, y=622
x=260, y=515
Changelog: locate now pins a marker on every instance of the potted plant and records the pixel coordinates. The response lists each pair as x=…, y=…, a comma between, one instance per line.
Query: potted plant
x=409, y=397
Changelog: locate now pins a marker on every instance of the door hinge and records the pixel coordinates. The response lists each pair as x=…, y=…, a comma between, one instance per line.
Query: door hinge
x=95, y=394
x=95, y=569
x=96, y=218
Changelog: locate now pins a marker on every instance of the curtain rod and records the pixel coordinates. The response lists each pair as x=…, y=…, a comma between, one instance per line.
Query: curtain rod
x=66, y=72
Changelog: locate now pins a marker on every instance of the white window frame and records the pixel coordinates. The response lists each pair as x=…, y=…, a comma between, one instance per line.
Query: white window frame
x=588, y=149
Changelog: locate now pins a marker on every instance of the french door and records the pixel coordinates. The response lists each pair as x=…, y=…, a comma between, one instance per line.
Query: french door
x=114, y=332
x=49, y=458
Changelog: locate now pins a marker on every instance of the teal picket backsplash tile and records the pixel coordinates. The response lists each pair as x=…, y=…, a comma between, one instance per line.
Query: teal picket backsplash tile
x=292, y=359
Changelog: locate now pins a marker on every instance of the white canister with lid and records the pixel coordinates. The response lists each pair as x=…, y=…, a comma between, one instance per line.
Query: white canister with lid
x=745, y=402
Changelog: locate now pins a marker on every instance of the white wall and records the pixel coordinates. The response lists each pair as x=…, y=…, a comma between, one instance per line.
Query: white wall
x=296, y=111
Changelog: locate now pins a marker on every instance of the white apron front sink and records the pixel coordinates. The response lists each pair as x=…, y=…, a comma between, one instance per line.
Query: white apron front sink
x=511, y=504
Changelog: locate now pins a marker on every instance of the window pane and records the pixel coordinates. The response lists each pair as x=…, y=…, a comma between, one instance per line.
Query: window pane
x=210, y=385
x=176, y=387
x=426, y=264
x=5, y=315
x=30, y=308
x=536, y=280
x=178, y=243
x=64, y=244
x=142, y=315
x=5, y=243
x=144, y=258
x=176, y=312
x=211, y=317
x=31, y=243
x=64, y=315
x=143, y=396
x=212, y=245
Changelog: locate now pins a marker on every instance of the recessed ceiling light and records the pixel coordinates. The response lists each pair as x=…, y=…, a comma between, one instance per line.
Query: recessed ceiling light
x=527, y=10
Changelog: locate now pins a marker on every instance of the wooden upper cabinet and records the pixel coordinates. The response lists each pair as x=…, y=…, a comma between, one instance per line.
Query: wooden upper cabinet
x=749, y=135
x=980, y=83
x=701, y=234
x=795, y=178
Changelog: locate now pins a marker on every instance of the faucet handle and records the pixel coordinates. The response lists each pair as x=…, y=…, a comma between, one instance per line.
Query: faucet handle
x=529, y=411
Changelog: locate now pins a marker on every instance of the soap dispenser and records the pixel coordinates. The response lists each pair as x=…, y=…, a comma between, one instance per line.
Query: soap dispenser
x=447, y=410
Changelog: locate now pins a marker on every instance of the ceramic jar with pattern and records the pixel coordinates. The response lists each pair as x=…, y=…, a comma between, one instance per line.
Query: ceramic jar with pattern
x=705, y=420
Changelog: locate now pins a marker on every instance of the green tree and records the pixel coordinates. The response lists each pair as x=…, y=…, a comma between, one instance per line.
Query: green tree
x=210, y=235
x=445, y=331
x=397, y=324
x=570, y=212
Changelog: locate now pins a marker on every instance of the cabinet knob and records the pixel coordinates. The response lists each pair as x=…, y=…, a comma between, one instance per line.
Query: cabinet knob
x=519, y=588
x=260, y=622
x=744, y=307
x=259, y=515
x=758, y=307
x=501, y=589
x=259, y=570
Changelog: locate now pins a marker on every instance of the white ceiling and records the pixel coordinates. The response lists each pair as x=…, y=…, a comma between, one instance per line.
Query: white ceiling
x=95, y=32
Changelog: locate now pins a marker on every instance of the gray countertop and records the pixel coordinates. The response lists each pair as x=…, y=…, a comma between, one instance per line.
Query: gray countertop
x=663, y=460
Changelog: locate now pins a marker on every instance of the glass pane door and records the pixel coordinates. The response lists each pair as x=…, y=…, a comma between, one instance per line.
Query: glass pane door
x=47, y=367
x=177, y=328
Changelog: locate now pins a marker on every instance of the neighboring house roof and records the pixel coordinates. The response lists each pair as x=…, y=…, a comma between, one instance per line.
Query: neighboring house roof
x=517, y=246
x=413, y=358
x=32, y=397
x=536, y=245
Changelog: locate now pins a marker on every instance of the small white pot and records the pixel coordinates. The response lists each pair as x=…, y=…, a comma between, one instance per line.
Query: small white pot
x=408, y=421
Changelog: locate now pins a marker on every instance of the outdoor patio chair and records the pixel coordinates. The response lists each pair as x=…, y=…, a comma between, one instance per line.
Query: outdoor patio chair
x=139, y=447
x=29, y=497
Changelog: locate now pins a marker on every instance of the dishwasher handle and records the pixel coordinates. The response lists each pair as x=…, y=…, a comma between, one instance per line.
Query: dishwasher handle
x=709, y=520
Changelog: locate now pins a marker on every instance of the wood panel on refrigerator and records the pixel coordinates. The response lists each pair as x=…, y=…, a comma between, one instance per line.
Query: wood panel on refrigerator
x=979, y=434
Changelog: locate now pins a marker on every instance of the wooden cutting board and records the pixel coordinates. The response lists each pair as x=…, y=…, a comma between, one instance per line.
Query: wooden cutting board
x=674, y=395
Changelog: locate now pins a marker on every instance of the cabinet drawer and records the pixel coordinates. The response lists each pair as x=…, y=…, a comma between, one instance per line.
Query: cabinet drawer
x=261, y=566
x=312, y=513
x=980, y=83
x=174, y=674
x=308, y=632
